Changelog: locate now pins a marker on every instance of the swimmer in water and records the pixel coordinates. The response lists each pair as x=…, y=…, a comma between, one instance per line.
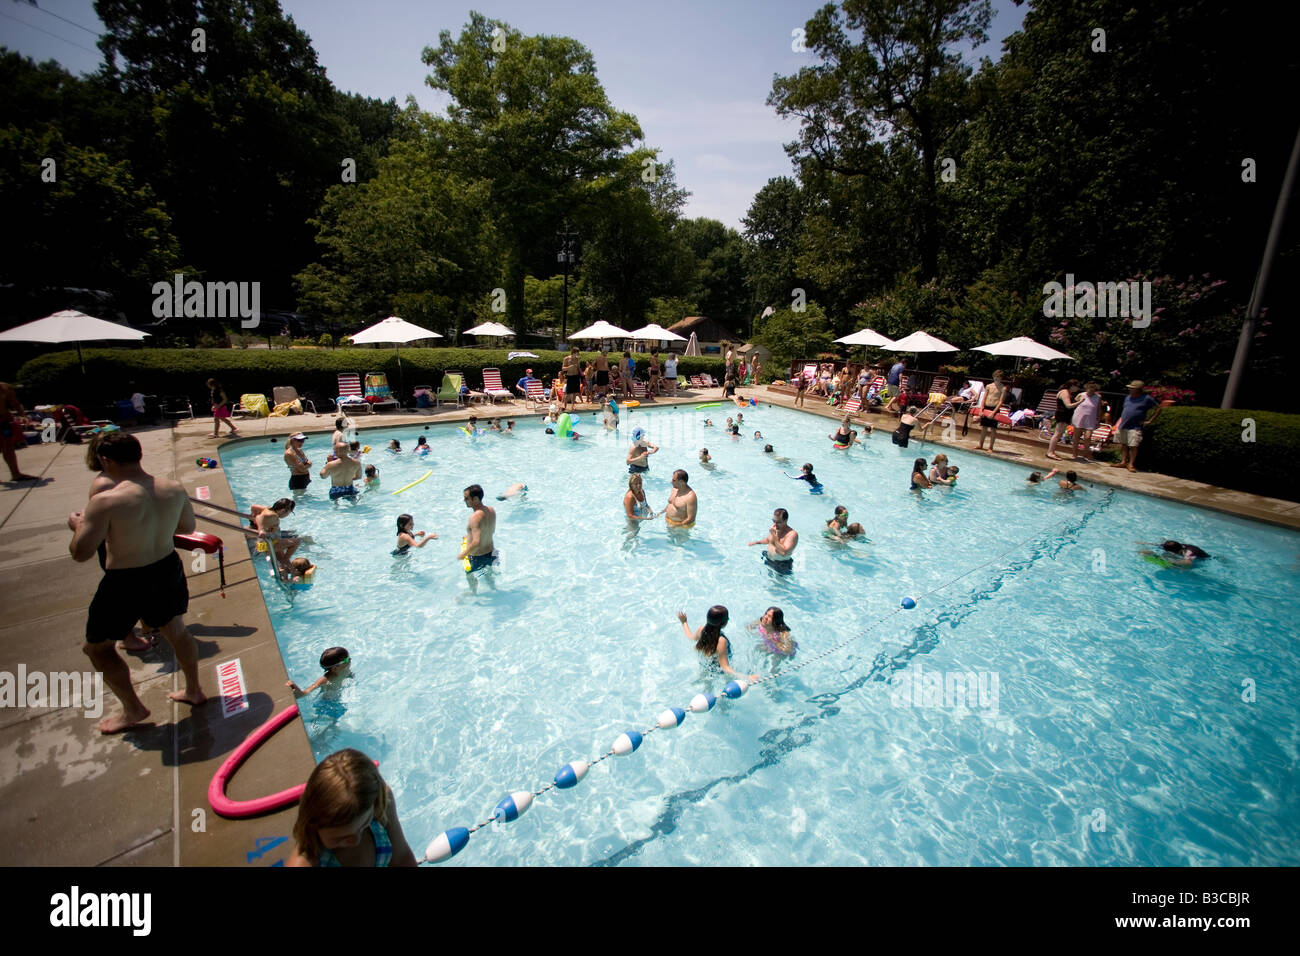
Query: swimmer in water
x=1037, y=477
x=421, y=446
x=758, y=436
x=1177, y=554
x=517, y=490
x=1070, y=482
x=776, y=637
x=635, y=507
x=394, y=445
x=708, y=423
x=711, y=642
x=836, y=525
x=807, y=475
x=407, y=535
x=372, y=476
x=682, y=503
x=781, y=541
x=337, y=664
x=302, y=571
x=705, y=458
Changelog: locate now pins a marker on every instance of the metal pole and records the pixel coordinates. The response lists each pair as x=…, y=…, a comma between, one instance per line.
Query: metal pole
x=1261, y=280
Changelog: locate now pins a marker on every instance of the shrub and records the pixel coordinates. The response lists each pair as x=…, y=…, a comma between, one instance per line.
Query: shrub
x=56, y=376
x=326, y=341
x=1209, y=445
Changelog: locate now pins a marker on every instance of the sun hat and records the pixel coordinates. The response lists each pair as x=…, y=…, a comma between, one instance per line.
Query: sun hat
x=297, y=436
x=1136, y=384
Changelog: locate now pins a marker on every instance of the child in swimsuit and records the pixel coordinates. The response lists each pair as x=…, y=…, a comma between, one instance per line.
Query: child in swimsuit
x=301, y=573
x=337, y=664
x=347, y=817
x=814, y=486
x=406, y=535
x=421, y=446
x=776, y=636
x=372, y=476
x=394, y=445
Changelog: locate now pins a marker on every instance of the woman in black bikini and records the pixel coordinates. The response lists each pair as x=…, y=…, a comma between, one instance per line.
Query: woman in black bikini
x=906, y=422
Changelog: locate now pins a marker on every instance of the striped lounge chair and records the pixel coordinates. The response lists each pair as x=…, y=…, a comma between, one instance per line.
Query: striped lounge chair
x=351, y=398
x=492, y=387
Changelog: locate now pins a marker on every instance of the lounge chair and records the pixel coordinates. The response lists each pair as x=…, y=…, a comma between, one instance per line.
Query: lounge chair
x=537, y=395
x=1101, y=435
x=251, y=405
x=492, y=387
x=450, y=390
x=283, y=394
x=176, y=406
x=351, y=398
x=377, y=388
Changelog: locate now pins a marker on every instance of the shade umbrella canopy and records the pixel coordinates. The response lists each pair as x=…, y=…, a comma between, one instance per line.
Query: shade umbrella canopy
x=656, y=333
x=490, y=328
x=71, y=326
x=921, y=342
x=393, y=331
x=397, y=331
x=601, y=330
x=867, y=337
x=1022, y=346
x=693, y=345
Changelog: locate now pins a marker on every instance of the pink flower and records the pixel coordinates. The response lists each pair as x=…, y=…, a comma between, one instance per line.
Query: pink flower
x=1129, y=354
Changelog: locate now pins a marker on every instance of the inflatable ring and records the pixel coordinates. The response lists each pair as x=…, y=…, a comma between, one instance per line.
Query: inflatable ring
x=631, y=404
x=239, y=809
x=838, y=445
x=414, y=483
x=1157, y=560
x=710, y=405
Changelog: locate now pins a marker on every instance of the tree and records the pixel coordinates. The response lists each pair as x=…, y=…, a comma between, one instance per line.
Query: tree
x=902, y=79
x=791, y=335
x=528, y=115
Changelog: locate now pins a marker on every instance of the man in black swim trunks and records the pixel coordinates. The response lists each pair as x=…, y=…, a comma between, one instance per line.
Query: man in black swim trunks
x=602, y=376
x=478, y=549
x=143, y=578
x=572, y=378
x=781, y=541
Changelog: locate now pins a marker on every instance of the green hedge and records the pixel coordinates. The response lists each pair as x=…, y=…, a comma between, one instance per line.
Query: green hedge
x=56, y=377
x=1206, y=444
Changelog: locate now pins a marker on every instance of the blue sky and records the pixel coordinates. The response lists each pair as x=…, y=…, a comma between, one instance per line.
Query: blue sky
x=696, y=74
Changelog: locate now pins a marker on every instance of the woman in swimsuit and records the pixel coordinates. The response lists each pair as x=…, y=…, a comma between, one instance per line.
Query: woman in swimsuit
x=634, y=504
x=906, y=422
x=710, y=641
x=844, y=435
x=406, y=535
x=347, y=817
x=919, y=478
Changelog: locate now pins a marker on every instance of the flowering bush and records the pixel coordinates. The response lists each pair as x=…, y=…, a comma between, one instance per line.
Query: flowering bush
x=1171, y=393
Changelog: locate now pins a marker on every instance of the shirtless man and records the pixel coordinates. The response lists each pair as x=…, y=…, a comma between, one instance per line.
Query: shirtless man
x=299, y=464
x=638, y=456
x=143, y=578
x=478, y=547
x=571, y=370
x=682, y=503
x=601, y=365
x=267, y=522
x=994, y=395
x=342, y=472
x=781, y=540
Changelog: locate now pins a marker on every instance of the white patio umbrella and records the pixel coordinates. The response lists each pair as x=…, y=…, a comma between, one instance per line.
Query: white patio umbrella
x=495, y=329
x=71, y=326
x=397, y=331
x=921, y=342
x=601, y=330
x=656, y=333
x=867, y=337
x=693, y=345
x=1022, y=346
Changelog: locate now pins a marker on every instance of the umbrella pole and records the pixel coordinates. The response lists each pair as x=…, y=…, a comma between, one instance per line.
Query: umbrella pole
x=401, y=388
x=80, y=360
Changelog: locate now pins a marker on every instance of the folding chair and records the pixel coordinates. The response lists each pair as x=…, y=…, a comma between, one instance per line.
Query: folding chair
x=492, y=387
x=287, y=393
x=351, y=398
x=537, y=395
x=377, y=387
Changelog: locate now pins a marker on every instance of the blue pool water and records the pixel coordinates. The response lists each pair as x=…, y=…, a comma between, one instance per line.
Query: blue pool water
x=1121, y=713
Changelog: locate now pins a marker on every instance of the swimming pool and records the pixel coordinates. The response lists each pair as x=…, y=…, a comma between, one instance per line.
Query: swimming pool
x=1118, y=713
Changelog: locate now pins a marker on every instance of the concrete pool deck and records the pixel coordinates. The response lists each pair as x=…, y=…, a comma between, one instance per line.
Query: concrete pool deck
x=73, y=797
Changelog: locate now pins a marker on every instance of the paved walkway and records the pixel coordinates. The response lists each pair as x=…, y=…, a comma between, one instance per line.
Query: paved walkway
x=73, y=797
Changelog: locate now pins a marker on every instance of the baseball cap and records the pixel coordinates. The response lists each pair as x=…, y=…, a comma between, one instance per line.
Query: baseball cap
x=528, y=371
x=298, y=436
